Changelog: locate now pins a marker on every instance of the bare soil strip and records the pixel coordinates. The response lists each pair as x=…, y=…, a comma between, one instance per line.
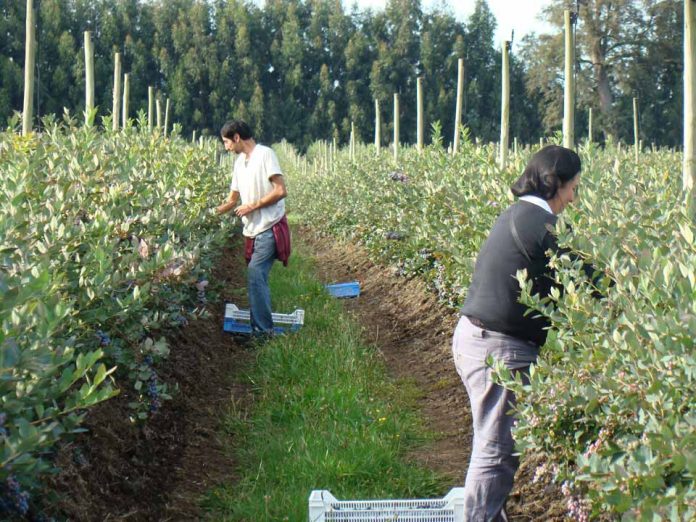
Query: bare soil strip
x=414, y=332
x=160, y=470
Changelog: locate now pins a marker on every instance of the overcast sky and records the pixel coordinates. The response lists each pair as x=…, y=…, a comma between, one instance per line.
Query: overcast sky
x=520, y=15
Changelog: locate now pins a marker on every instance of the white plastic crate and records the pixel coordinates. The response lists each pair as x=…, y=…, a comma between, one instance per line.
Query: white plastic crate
x=239, y=321
x=324, y=507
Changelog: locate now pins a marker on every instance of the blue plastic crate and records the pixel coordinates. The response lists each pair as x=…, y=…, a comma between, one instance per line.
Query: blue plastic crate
x=239, y=321
x=351, y=289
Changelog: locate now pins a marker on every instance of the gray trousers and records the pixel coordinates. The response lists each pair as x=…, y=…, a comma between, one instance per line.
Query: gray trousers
x=493, y=465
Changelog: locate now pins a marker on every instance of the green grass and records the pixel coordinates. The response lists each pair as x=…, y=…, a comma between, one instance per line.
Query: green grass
x=325, y=416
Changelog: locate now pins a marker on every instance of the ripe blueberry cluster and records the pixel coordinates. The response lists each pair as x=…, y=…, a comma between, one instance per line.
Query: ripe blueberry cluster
x=577, y=509
x=180, y=319
x=12, y=499
x=399, y=176
x=104, y=339
x=152, y=387
x=394, y=236
x=425, y=253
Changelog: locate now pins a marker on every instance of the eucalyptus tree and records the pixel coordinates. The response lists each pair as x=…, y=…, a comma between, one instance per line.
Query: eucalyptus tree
x=482, y=61
x=615, y=41
x=441, y=46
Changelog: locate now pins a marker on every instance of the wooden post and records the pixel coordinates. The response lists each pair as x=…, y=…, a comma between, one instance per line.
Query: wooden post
x=158, y=104
x=116, y=108
x=569, y=91
x=193, y=139
x=589, y=126
x=689, y=167
x=378, y=125
x=89, y=76
x=29, y=54
x=126, y=93
x=636, y=138
x=396, y=127
x=458, y=110
x=150, y=106
x=419, y=118
x=334, y=148
x=352, y=141
x=327, y=157
x=505, y=109
x=166, y=118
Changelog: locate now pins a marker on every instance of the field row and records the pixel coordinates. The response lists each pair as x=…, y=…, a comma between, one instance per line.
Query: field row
x=106, y=242
x=611, y=400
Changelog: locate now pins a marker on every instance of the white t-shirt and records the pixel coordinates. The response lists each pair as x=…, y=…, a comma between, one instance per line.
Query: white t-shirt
x=251, y=178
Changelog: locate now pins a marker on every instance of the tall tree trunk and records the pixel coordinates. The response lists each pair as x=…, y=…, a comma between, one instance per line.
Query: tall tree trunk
x=597, y=55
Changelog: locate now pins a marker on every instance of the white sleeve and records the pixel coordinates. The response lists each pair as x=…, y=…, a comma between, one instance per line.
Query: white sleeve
x=272, y=165
x=234, y=184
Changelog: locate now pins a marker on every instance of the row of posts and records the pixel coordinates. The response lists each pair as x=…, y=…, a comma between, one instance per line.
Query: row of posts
x=120, y=101
x=689, y=165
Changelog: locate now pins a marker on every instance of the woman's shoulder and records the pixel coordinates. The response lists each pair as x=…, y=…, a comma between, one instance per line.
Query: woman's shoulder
x=533, y=211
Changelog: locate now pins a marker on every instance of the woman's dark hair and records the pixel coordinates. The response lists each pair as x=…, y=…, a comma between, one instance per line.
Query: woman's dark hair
x=546, y=171
x=230, y=128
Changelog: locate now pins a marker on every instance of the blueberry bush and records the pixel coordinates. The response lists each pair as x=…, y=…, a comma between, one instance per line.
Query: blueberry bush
x=104, y=241
x=610, y=405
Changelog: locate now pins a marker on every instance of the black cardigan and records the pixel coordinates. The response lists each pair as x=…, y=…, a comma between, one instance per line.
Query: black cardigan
x=493, y=296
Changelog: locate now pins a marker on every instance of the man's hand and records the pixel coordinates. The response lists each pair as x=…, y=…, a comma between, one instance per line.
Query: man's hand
x=229, y=204
x=243, y=210
x=222, y=209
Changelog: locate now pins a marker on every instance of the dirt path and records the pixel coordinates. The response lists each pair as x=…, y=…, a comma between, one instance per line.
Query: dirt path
x=160, y=470
x=413, y=332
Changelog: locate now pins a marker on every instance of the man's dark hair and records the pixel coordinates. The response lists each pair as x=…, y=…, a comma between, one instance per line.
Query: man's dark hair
x=546, y=171
x=230, y=128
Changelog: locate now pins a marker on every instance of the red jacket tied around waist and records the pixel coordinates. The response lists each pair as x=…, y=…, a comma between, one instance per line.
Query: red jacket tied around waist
x=281, y=234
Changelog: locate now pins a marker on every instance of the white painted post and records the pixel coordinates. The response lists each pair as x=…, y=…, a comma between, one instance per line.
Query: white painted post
x=193, y=139
x=89, y=76
x=419, y=118
x=458, y=110
x=150, y=106
x=636, y=138
x=29, y=55
x=352, y=141
x=116, y=107
x=126, y=94
x=334, y=149
x=569, y=91
x=166, y=118
x=505, y=109
x=689, y=167
x=396, y=127
x=378, y=125
x=158, y=104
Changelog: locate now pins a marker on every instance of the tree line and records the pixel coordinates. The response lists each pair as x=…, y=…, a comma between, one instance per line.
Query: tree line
x=303, y=70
